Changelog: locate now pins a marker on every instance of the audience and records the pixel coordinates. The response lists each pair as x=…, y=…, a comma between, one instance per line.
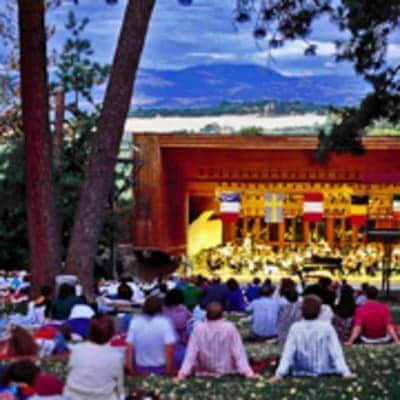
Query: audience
x=312, y=347
x=65, y=301
x=191, y=294
x=290, y=312
x=215, y=348
x=215, y=291
x=96, y=370
x=151, y=341
x=373, y=321
x=344, y=311
x=235, y=301
x=265, y=312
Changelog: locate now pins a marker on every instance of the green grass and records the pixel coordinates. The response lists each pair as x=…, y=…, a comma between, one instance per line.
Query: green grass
x=377, y=369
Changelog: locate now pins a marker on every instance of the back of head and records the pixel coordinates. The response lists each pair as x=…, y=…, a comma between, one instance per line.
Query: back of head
x=101, y=329
x=215, y=311
x=23, y=371
x=267, y=291
x=66, y=291
x=152, y=306
x=256, y=281
x=232, y=284
x=216, y=279
x=311, y=307
x=46, y=291
x=173, y=297
x=125, y=292
x=22, y=343
x=346, y=305
x=371, y=292
x=290, y=294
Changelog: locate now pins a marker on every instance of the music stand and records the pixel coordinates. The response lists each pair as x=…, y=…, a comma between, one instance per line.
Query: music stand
x=388, y=237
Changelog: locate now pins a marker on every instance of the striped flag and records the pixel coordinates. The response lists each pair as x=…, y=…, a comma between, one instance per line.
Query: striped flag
x=313, y=206
x=359, y=210
x=229, y=209
x=396, y=206
x=274, y=207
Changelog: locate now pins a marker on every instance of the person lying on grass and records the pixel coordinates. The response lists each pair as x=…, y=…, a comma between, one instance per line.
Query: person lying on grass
x=312, y=347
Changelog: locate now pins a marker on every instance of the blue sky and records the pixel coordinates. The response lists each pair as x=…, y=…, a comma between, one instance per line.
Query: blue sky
x=203, y=33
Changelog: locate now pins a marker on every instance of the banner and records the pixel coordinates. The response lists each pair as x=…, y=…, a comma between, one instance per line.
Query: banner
x=274, y=207
x=313, y=207
x=359, y=210
x=396, y=205
x=229, y=209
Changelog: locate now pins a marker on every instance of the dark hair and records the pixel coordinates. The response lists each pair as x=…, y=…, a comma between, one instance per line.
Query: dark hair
x=23, y=371
x=346, y=306
x=101, y=329
x=215, y=311
x=364, y=287
x=311, y=307
x=325, y=282
x=46, y=291
x=65, y=291
x=256, y=280
x=232, y=284
x=22, y=343
x=286, y=284
x=290, y=294
x=267, y=290
x=125, y=292
x=173, y=297
x=371, y=292
x=152, y=306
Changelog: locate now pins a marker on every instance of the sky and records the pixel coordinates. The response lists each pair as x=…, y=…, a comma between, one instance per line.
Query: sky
x=203, y=33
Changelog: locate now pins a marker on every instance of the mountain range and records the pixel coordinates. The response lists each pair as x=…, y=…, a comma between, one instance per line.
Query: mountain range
x=209, y=85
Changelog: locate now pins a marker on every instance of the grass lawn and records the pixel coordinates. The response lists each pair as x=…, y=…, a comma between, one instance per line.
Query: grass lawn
x=377, y=368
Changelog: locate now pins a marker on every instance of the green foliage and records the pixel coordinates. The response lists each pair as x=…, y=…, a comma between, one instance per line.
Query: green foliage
x=252, y=130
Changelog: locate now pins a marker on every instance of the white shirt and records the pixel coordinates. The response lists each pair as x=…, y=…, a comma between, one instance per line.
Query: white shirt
x=81, y=311
x=95, y=372
x=149, y=336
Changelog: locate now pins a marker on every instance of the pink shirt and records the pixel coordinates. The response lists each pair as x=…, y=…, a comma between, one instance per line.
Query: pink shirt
x=215, y=348
x=374, y=318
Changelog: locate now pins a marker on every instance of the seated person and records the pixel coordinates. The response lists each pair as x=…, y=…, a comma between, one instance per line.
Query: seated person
x=64, y=302
x=215, y=348
x=23, y=379
x=265, y=312
x=344, y=311
x=40, y=308
x=373, y=321
x=312, y=347
x=96, y=368
x=253, y=290
x=235, y=300
x=151, y=340
x=20, y=343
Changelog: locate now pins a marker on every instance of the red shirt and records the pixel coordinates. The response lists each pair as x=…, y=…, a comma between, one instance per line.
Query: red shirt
x=373, y=317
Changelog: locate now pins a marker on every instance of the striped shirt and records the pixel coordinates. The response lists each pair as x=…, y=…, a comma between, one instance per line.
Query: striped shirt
x=312, y=348
x=215, y=348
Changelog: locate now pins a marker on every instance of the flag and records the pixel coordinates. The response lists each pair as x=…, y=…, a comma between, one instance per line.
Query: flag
x=359, y=210
x=274, y=207
x=229, y=206
x=313, y=206
x=396, y=205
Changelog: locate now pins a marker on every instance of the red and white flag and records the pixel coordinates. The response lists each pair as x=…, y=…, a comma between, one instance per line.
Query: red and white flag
x=313, y=206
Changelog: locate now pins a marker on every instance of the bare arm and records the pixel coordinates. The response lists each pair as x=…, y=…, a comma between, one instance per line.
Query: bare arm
x=129, y=358
x=355, y=333
x=169, y=357
x=393, y=333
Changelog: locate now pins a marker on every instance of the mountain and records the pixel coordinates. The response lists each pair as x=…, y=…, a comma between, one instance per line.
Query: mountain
x=208, y=85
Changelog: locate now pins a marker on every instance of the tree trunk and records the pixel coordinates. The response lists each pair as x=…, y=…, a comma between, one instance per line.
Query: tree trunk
x=43, y=232
x=106, y=142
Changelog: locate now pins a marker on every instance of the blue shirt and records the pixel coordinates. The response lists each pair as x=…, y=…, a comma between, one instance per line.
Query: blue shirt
x=312, y=348
x=265, y=316
x=253, y=292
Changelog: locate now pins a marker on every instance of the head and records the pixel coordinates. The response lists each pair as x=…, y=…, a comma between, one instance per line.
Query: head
x=256, y=281
x=364, y=287
x=286, y=284
x=215, y=311
x=325, y=282
x=22, y=343
x=216, y=279
x=372, y=293
x=152, y=306
x=66, y=291
x=311, y=307
x=290, y=294
x=347, y=305
x=173, y=297
x=232, y=284
x=46, y=291
x=267, y=291
x=125, y=292
x=101, y=329
x=23, y=371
